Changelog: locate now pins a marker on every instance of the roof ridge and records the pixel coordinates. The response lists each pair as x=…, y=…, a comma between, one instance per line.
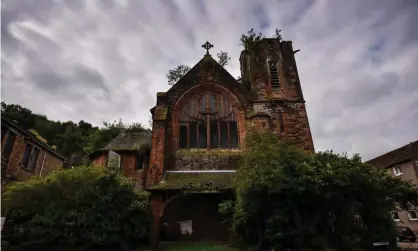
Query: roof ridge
x=409, y=145
x=406, y=152
x=32, y=136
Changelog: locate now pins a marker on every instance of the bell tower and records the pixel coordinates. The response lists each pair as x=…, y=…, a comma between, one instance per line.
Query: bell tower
x=269, y=72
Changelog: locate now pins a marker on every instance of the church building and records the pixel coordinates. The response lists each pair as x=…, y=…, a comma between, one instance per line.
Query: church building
x=189, y=159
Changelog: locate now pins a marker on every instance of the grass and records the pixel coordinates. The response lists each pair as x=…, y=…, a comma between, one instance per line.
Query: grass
x=195, y=247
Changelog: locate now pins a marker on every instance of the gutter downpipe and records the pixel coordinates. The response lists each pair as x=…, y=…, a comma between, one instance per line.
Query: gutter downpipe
x=43, y=163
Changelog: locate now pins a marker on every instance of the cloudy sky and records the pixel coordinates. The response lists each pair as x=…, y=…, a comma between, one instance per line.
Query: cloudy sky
x=103, y=60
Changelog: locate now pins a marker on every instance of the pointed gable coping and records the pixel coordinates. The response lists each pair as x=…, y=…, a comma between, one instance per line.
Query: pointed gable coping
x=206, y=59
x=191, y=78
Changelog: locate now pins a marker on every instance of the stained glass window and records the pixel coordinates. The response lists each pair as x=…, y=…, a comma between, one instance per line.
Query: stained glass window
x=208, y=121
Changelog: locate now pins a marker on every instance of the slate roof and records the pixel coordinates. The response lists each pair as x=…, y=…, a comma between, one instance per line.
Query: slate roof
x=129, y=140
x=405, y=153
x=202, y=181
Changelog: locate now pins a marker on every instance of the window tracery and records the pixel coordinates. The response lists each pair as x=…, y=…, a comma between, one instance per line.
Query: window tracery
x=208, y=120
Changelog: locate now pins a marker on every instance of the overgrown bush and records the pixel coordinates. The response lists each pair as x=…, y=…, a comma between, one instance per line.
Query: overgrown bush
x=290, y=200
x=83, y=206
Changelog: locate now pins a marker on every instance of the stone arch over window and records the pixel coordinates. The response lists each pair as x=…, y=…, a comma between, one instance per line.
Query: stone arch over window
x=209, y=117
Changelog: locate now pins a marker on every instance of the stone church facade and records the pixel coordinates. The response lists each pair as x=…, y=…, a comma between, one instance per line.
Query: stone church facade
x=198, y=127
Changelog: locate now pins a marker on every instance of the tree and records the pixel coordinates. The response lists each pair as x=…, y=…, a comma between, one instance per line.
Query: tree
x=223, y=58
x=287, y=199
x=109, y=131
x=248, y=40
x=68, y=138
x=177, y=73
x=278, y=35
x=82, y=206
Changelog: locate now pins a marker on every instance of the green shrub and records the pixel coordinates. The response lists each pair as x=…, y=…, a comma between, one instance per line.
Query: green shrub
x=287, y=199
x=80, y=206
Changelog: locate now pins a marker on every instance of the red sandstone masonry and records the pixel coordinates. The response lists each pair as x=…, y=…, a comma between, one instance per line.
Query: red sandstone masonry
x=156, y=168
x=45, y=163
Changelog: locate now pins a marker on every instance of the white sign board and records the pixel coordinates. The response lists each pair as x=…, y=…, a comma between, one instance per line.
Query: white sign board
x=186, y=227
x=113, y=160
x=2, y=222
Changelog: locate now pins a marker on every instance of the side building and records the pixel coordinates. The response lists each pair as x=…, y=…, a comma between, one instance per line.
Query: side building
x=129, y=151
x=402, y=162
x=23, y=155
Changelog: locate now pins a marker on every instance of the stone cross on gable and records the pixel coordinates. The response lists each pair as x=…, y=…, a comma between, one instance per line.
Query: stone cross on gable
x=207, y=46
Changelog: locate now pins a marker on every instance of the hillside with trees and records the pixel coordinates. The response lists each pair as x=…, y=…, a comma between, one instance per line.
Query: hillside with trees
x=68, y=138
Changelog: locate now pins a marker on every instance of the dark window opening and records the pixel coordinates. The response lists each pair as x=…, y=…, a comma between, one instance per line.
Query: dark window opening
x=139, y=161
x=281, y=122
x=214, y=136
x=183, y=136
x=412, y=214
x=3, y=133
x=30, y=157
x=192, y=134
x=26, y=155
x=233, y=134
x=223, y=128
x=202, y=143
x=208, y=121
x=8, y=146
x=274, y=74
x=395, y=216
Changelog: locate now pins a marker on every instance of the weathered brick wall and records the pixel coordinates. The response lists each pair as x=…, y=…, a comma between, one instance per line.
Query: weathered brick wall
x=100, y=160
x=259, y=71
x=287, y=100
x=128, y=166
x=205, y=160
x=51, y=163
x=18, y=172
x=157, y=157
x=157, y=204
x=294, y=120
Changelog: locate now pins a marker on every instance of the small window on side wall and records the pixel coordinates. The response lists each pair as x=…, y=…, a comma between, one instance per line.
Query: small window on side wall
x=395, y=216
x=397, y=170
x=412, y=215
x=139, y=161
x=30, y=157
x=8, y=146
x=274, y=74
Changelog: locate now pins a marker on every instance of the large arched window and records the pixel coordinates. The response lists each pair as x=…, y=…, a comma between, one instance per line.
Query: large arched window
x=207, y=120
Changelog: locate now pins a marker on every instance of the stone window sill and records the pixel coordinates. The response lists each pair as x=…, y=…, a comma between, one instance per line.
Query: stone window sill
x=27, y=169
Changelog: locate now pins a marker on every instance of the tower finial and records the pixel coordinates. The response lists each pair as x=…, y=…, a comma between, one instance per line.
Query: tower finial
x=207, y=46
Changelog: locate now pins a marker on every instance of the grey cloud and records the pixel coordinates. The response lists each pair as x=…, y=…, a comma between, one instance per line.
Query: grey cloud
x=103, y=60
x=52, y=80
x=370, y=90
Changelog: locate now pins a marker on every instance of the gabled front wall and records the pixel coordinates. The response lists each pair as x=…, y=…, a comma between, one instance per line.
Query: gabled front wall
x=279, y=110
x=254, y=103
